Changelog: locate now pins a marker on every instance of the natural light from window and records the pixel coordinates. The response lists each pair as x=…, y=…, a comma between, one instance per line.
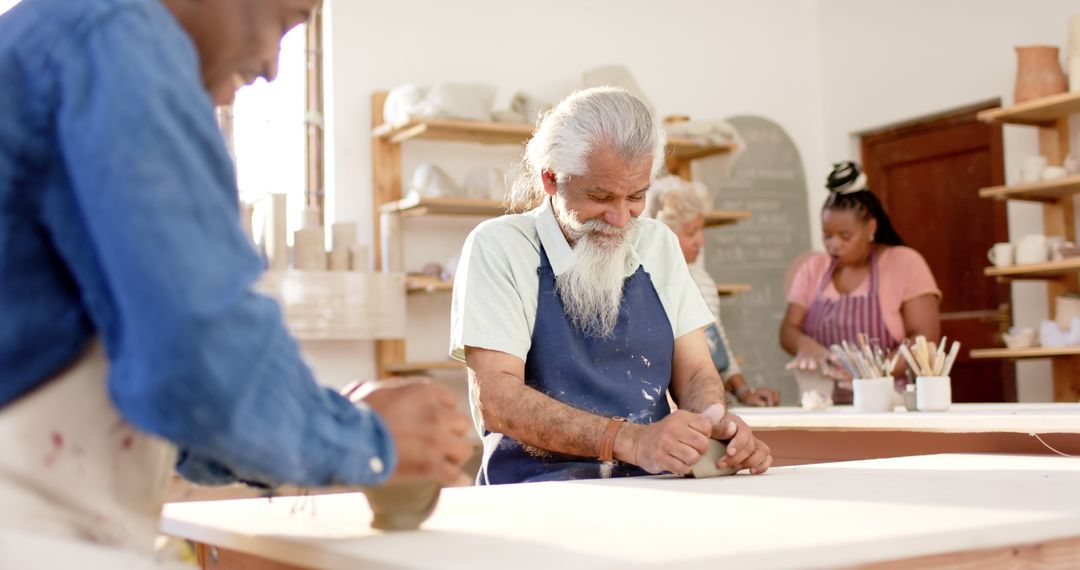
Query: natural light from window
x=269, y=132
x=6, y=5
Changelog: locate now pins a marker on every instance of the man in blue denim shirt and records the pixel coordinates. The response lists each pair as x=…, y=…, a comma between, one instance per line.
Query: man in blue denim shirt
x=119, y=236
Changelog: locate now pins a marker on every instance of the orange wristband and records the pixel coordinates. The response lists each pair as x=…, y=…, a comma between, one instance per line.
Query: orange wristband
x=607, y=445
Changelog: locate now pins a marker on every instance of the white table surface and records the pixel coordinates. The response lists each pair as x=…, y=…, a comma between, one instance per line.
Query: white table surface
x=830, y=514
x=960, y=418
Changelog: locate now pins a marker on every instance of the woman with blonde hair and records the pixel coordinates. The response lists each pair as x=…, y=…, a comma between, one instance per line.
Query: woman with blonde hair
x=680, y=204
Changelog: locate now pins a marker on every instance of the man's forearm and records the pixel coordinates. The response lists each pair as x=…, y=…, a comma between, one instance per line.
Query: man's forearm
x=508, y=406
x=702, y=391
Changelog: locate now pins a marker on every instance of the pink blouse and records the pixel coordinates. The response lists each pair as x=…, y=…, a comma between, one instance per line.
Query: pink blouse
x=903, y=275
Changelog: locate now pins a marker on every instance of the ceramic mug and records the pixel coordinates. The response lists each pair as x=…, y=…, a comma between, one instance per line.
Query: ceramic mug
x=933, y=393
x=873, y=395
x=1032, y=168
x=1001, y=255
x=1031, y=249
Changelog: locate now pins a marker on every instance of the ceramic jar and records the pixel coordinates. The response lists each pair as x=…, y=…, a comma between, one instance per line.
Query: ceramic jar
x=1038, y=73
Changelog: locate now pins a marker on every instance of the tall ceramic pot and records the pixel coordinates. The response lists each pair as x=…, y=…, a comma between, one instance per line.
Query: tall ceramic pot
x=1038, y=73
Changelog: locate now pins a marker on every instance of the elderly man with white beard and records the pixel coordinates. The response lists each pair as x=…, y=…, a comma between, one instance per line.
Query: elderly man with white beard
x=576, y=319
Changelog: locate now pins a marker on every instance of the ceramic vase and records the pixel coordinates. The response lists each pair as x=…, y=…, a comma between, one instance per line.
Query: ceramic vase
x=1038, y=73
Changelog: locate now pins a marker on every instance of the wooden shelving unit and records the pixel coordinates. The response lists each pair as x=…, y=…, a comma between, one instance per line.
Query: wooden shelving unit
x=387, y=177
x=1051, y=116
x=1038, y=271
x=1051, y=191
x=416, y=206
x=729, y=289
x=679, y=150
x=1041, y=112
x=1020, y=353
x=425, y=284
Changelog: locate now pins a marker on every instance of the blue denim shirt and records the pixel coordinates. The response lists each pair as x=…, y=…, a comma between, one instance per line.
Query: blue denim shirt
x=118, y=218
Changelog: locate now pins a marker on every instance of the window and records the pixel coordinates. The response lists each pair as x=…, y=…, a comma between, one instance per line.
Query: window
x=269, y=132
x=6, y=5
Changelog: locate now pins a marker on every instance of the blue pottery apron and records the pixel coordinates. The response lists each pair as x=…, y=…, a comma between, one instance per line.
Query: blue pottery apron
x=626, y=374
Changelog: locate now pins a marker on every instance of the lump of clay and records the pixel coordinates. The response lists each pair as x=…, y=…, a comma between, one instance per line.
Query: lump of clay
x=402, y=506
x=706, y=466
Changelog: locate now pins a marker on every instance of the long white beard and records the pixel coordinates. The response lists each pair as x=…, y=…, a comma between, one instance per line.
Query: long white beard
x=592, y=288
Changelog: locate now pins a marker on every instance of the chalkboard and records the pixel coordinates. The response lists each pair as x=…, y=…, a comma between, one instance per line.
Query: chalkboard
x=768, y=180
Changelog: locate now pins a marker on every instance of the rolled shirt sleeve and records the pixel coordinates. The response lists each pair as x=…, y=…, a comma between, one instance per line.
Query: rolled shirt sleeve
x=197, y=357
x=487, y=310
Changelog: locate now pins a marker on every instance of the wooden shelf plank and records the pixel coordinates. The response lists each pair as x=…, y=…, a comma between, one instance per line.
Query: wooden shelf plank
x=1050, y=191
x=678, y=148
x=1041, y=112
x=455, y=130
x=682, y=149
x=403, y=368
x=1048, y=270
x=728, y=289
x=725, y=217
x=426, y=284
x=1035, y=352
x=417, y=206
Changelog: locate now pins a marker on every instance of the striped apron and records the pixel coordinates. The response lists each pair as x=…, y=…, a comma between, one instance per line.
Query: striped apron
x=830, y=321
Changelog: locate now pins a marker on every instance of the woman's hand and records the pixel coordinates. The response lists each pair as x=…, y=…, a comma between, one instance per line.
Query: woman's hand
x=760, y=397
x=748, y=396
x=814, y=357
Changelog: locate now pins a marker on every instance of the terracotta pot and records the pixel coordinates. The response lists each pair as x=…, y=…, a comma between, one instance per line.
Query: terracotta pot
x=1038, y=73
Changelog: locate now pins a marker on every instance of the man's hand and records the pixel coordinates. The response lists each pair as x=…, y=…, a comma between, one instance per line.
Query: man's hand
x=744, y=450
x=428, y=430
x=673, y=444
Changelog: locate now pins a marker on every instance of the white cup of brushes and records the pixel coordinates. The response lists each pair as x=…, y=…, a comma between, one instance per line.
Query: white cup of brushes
x=931, y=365
x=873, y=395
x=933, y=393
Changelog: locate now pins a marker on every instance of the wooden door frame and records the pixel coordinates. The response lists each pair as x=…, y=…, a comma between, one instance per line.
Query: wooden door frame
x=956, y=116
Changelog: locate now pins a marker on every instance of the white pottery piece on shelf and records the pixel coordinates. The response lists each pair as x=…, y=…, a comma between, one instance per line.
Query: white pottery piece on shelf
x=1032, y=249
x=485, y=184
x=1001, y=255
x=1019, y=337
x=468, y=101
x=1053, y=336
x=1031, y=169
x=430, y=181
x=338, y=304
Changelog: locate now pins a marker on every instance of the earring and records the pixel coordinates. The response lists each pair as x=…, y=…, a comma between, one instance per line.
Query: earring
x=871, y=237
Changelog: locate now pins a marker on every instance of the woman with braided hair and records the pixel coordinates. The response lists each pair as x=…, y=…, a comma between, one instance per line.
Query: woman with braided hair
x=868, y=282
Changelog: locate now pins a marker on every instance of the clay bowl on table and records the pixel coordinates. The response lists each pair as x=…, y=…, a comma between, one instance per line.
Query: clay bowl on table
x=402, y=506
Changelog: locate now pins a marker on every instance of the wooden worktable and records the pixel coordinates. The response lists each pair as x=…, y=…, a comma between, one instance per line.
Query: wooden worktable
x=928, y=511
x=799, y=436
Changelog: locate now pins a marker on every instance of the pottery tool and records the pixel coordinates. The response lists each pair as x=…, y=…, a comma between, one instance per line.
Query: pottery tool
x=927, y=359
x=951, y=358
x=862, y=360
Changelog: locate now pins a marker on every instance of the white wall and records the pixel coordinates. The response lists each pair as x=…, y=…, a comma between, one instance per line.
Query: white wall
x=884, y=61
x=703, y=59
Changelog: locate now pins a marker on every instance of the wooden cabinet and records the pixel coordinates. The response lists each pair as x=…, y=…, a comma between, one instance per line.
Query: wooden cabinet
x=390, y=207
x=1050, y=115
